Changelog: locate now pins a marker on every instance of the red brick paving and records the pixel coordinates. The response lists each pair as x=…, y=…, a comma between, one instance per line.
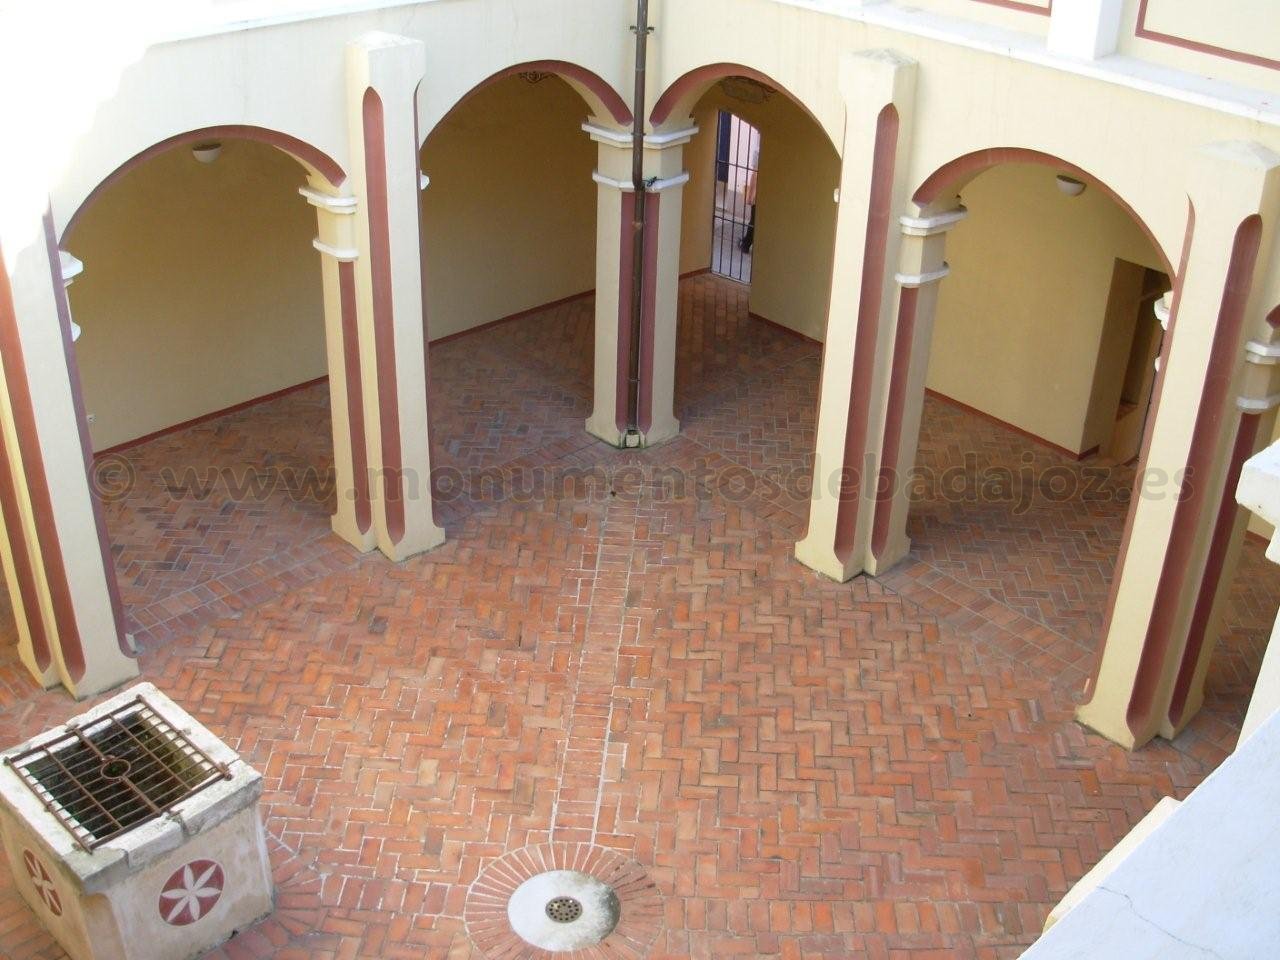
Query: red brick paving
x=886, y=768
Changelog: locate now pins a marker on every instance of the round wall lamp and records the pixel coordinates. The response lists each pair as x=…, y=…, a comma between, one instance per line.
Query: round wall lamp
x=1070, y=185
x=206, y=152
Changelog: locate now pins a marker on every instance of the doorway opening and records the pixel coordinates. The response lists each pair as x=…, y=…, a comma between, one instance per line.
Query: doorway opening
x=1131, y=313
x=733, y=223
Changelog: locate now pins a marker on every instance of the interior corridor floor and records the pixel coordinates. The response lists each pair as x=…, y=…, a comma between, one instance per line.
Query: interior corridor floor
x=885, y=768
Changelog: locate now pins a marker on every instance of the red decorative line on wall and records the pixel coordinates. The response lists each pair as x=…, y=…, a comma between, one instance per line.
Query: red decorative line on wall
x=868, y=331
x=82, y=428
x=375, y=156
x=626, y=270
x=1020, y=7
x=899, y=374
x=1143, y=32
x=653, y=202
x=355, y=396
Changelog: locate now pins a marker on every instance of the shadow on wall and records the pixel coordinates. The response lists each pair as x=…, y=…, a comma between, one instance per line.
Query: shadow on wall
x=201, y=289
x=510, y=218
x=1021, y=320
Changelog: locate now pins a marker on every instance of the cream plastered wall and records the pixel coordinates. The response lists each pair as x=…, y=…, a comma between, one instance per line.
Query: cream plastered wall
x=697, y=205
x=201, y=289
x=795, y=229
x=1256, y=524
x=1020, y=319
x=1241, y=31
x=1138, y=137
x=1034, y=19
x=509, y=221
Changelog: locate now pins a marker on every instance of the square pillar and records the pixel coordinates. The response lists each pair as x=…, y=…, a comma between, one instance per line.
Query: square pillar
x=1255, y=420
x=924, y=238
x=879, y=91
x=1194, y=427
x=383, y=73
x=615, y=214
x=65, y=585
x=1085, y=29
x=336, y=243
x=615, y=265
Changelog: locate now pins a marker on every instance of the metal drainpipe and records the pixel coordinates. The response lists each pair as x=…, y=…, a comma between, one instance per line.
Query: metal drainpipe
x=642, y=30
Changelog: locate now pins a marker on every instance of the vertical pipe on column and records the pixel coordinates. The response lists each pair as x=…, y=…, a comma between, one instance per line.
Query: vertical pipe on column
x=638, y=219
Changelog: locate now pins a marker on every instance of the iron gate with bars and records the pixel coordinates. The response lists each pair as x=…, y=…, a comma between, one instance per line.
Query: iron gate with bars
x=734, y=213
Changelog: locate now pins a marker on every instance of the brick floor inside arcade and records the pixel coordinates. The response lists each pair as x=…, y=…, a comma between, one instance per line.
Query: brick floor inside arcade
x=637, y=677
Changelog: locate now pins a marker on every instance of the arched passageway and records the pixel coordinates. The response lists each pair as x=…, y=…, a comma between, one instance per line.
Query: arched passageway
x=748, y=354
x=1028, y=377
x=202, y=359
x=509, y=228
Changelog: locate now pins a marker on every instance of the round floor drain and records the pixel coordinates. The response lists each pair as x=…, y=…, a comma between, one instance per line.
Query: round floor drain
x=564, y=909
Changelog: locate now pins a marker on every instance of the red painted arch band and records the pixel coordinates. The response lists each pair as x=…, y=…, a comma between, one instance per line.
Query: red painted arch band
x=300, y=150
x=952, y=176
x=600, y=88
x=686, y=91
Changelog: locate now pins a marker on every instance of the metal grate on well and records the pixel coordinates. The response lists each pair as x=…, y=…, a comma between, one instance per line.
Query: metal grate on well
x=116, y=773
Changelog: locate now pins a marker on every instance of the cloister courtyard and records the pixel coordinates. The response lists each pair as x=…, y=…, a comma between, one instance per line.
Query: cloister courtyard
x=617, y=651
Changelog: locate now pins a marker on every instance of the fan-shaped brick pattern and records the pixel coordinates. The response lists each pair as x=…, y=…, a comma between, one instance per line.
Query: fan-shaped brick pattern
x=641, y=902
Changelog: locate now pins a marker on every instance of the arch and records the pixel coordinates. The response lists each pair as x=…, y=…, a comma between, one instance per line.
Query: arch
x=679, y=98
x=315, y=161
x=951, y=177
x=600, y=96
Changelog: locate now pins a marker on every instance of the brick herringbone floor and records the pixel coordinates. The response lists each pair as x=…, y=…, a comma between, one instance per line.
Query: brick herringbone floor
x=887, y=768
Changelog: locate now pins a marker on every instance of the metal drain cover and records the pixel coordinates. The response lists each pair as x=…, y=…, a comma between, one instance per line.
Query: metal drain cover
x=563, y=910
